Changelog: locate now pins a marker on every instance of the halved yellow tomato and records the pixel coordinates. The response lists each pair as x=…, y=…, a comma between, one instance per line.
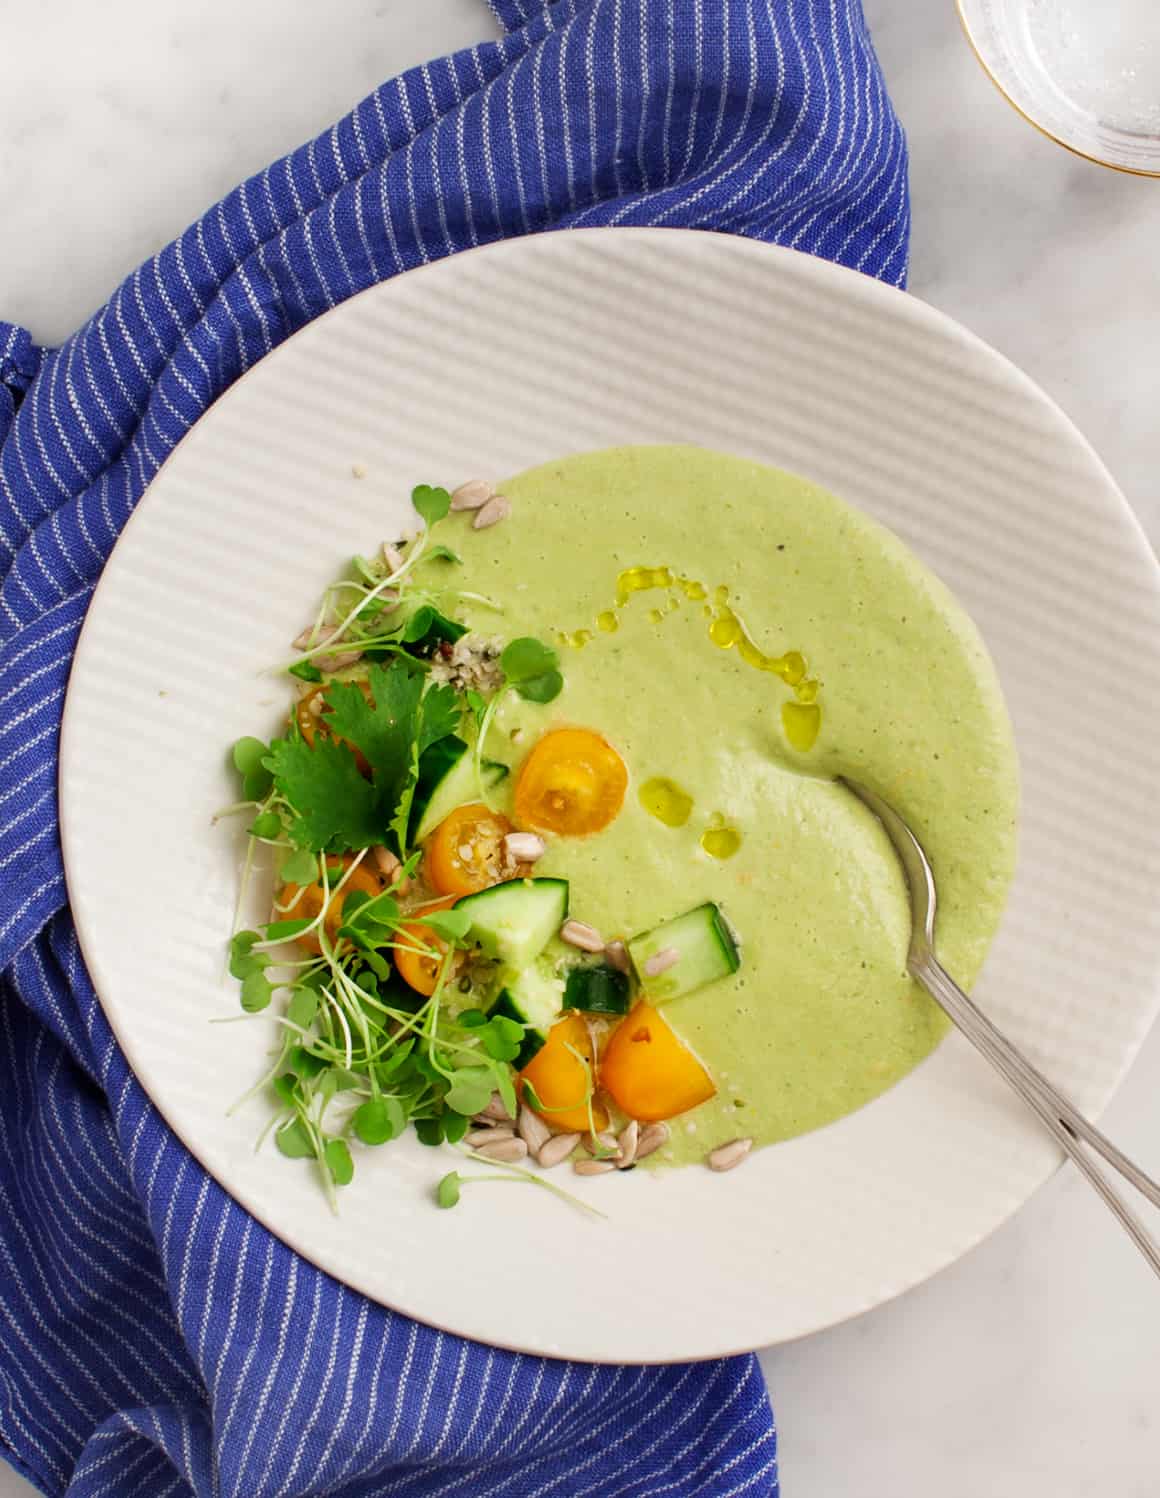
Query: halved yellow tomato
x=573, y=782
x=313, y=895
x=465, y=852
x=648, y=1071
x=561, y=1077
x=417, y=968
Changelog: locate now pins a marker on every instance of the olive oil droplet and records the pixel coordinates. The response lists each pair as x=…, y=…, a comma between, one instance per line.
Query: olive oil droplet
x=664, y=799
x=801, y=721
x=720, y=842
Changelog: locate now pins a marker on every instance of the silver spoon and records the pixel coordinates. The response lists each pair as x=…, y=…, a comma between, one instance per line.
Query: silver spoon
x=1070, y=1129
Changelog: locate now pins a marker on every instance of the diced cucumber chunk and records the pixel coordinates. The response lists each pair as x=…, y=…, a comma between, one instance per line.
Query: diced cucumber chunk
x=514, y=922
x=597, y=990
x=705, y=949
x=534, y=998
x=447, y=780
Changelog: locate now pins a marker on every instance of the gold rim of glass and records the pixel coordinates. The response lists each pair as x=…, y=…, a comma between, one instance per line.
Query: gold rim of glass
x=1111, y=166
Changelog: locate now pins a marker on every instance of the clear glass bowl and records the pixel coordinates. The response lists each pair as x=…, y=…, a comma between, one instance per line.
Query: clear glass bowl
x=1084, y=72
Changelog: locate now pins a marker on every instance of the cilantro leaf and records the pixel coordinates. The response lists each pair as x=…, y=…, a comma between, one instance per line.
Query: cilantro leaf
x=403, y=718
x=439, y=716
x=305, y=671
x=432, y=503
x=335, y=807
x=383, y=727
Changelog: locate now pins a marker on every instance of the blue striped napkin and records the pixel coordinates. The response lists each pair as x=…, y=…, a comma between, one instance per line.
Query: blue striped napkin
x=155, y=1340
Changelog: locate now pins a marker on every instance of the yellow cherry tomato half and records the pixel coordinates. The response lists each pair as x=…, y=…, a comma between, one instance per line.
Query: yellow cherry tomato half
x=465, y=852
x=417, y=968
x=561, y=1078
x=648, y=1071
x=573, y=782
x=313, y=895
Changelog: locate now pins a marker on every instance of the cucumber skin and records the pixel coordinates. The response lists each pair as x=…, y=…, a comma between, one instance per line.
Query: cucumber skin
x=440, y=760
x=666, y=987
x=587, y=983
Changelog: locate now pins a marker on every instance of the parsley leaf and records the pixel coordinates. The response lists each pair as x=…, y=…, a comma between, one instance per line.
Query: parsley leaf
x=335, y=807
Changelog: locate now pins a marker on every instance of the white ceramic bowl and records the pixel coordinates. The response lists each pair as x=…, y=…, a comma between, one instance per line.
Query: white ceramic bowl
x=498, y=359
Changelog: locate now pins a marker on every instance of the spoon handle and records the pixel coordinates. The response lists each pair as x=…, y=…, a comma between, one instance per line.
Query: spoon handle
x=1064, y=1122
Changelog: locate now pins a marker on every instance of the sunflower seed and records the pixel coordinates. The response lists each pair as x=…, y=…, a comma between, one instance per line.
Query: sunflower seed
x=495, y=1112
x=579, y=934
x=524, y=847
x=392, y=556
x=726, y=1156
x=616, y=955
x=661, y=961
x=593, y=1167
x=305, y=640
x=557, y=1149
x=629, y=1143
x=488, y=1136
x=504, y=1151
x=388, y=866
x=471, y=496
x=601, y=1144
x=533, y=1130
x=337, y=661
x=652, y=1137
x=496, y=509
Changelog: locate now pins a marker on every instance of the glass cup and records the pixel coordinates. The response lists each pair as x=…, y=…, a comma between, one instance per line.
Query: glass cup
x=1084, y=72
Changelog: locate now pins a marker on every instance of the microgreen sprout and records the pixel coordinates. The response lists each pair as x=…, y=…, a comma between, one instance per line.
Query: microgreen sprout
x=360, y=1056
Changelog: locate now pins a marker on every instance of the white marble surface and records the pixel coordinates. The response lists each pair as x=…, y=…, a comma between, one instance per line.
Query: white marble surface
x=1029, y=1369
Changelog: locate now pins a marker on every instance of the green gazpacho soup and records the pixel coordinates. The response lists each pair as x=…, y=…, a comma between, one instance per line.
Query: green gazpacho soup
x=742, y=637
